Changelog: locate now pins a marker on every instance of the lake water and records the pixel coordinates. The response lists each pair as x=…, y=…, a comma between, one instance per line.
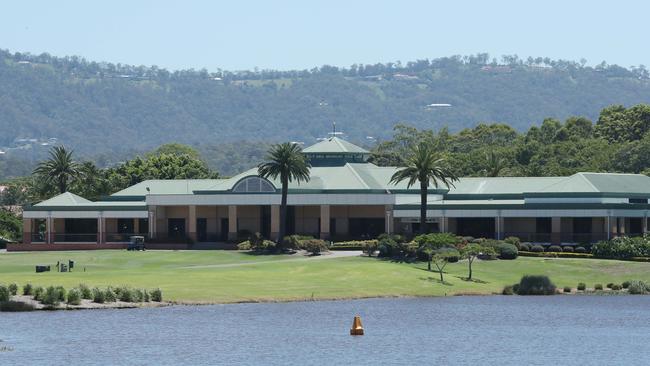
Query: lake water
x=495, y=330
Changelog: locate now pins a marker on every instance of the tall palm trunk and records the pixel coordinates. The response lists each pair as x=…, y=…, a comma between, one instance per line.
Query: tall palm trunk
x=283, y=210
x=424, y=184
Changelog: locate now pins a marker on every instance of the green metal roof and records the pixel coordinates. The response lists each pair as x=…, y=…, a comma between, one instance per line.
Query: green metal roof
x=599, y=183
x=334, y=145
x=69, y=201
x=501, y=185
x=168, y=186
x=65, y=199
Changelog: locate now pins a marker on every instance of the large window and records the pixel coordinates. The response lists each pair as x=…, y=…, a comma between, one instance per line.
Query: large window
x=125, y=226
x=176, y=228
x=253, y=184
x=366, y=227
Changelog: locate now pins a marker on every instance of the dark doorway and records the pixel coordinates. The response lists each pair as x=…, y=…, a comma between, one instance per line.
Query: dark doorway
x=223, y=233
x=365, y=228
x=176, y=228
x=477, y=227
x=78, y=230
x=332, y=226
x=201, y=229
x=636, y=225
x=265, y=221
x=143, y=226
x=582, y=225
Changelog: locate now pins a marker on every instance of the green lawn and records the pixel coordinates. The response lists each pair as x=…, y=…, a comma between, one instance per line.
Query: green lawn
x=219, y=277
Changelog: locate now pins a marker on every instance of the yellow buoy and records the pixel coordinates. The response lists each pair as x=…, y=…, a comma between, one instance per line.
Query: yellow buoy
x=357, y=328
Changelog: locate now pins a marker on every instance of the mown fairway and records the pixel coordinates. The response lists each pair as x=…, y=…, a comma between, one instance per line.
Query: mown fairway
x=229, y=276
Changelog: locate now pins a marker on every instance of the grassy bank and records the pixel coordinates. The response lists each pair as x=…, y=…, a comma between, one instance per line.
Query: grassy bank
x=225, y=276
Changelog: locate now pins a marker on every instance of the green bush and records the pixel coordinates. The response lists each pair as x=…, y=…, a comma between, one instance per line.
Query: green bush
x=537, y=248
x=524, y=247
x=393, y=246
x=616, y=287
x=86, y=293
x=4, y=293
x=582, y=286
x=138, y=295
x=109, y=295
x=156, y=295
x=51, y=296
x=598, y=287
x=13, y=289
x=514, y=241
x=622, y=248
x=507, y=290
x=504, y=250
x=314, y=246
x=74, y=297
x=15, y=306
x=609, y=285
x=567, y=249
x=567, y=289
x=370, y=246
x=38, y=292
x=27, y=289
x=536, y=285
x=625, y=284
x=257, y=243
x=61, y=292
x=554, y=249
x=294, y=241
x=244, y=245
x=580, y=250
x=99, y=296
x=637, y=288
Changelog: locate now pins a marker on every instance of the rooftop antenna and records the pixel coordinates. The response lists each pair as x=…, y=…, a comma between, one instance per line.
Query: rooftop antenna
x=334, y=133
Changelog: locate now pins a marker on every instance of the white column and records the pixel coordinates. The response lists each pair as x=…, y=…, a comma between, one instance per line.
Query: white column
x=645, y=224
x=232, y=222
x=325, y=221
x=388, y=214
x=275, y=222
x=191, y=225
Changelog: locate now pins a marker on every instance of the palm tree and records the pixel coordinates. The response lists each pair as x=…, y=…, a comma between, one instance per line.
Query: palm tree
x=287, y=162
x=424, y=165
x=59, y=170
x=496, y=163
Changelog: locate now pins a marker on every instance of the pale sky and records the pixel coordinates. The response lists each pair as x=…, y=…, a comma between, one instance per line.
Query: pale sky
x=238, y=35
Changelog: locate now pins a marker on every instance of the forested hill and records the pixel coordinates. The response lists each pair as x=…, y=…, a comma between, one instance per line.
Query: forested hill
x=102, y=107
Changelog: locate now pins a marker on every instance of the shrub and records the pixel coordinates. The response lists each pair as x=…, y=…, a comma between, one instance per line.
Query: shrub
x=27, y=290
x=38, y=292
x=598, y=286
x=314, y=246
x=536, y=285
x=622, y=248
x=294, y=241
x=156, y=295
x=61, y=292
x=244, y=245
x=554, y=249
x=537, y=248
x=504, y=250
x=616, y=287
x=582, y=286
x=393, y=246
x=15, y=306
x=514, y=241
x=625, y=284
x=580, y=250
x=515, y=288
x=74, y=297
x=609, y=285
x=13, y=289
x=567, y=249
x=507, y=290
x=567, y=289
x=637, y=288
x=524, y=247
x=4, y=293
x=256, y=242
x=51, y=296
x=109, y=295
x=138, y=295
x=86, y=293
x=99, y=296
x=125, y=294
x=369, y=247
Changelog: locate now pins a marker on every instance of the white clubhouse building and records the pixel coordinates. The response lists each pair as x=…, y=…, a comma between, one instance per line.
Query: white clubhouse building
x=346, y=198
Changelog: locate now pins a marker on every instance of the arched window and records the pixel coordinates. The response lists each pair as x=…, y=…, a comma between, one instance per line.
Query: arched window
x=254, y=184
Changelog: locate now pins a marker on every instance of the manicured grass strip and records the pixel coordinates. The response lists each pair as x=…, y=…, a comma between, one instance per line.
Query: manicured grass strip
x=197, y=276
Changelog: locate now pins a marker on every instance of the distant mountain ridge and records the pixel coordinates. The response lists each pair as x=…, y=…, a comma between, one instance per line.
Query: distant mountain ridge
x=99, y=108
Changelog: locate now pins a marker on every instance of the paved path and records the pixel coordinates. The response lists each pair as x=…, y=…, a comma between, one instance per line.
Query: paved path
x=298, y=257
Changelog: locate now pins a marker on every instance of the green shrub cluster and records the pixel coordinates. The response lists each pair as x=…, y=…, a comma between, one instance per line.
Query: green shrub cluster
x=295, y=241
x=525, y=247
x=4, y=293
x=537, y=248
x=598, y=287
x=514, y=241
x=616, y=287
x=535, y=285
x=27, y=289
x=567, y=289
x=556, y=255
x=314, y=246
x=53, y=296
x=508, y=290
x=355, y=245
x=156, y=295
x=638, y=288
x=74, y=297
x=622, y=248
x=256, y=243
x=554, y=249
x=13, y=289
x=582, y=286
x=86, y=292
x=392, y=245
x=38, y=292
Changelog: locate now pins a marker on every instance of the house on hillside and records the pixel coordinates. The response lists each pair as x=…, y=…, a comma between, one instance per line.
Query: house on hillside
x=346, y=198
